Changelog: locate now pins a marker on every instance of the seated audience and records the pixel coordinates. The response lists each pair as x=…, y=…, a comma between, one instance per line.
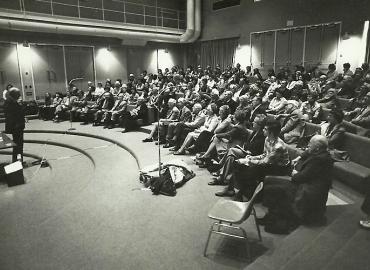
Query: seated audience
x=172, y=115
x=363, y=117
x=302, y=197
x=311, y=109
x=252, y=169
x=110, y=118
x=44, y=112
x=182, y=129
x=129, y=118
x=64, y=106
x=333, y=129
x=201, y=136
x=105, y=105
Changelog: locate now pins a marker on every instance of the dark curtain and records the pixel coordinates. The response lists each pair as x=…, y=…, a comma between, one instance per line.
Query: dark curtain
x=212, y=52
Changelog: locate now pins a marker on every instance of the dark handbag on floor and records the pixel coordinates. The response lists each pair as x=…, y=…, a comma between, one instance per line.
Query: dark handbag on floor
x=164, y=184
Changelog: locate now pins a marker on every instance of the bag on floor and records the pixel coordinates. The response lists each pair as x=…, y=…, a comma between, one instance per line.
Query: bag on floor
x=164, y=184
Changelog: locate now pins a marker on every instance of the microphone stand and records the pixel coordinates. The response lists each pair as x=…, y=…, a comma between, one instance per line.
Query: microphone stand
x=159, y=147
x=70, y=116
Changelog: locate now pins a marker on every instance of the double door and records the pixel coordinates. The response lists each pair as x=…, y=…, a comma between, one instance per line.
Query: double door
x=48, y=69
x=308, y=46
x=9, y=66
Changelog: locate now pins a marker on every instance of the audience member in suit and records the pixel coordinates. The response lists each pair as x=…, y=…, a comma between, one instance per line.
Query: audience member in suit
x=228, y=100
x=334, y=130
x=182, y=129
x=252, y=146
x=129, y=119
x=363, y=118
x=14, y=121
x=223, y=124
x=257, y=108
x=184, y=116
x=105, y=104
x=209, y=126
x=171, y=115
x=111, y=117
x=223, y=141
x=64, y=106
x=252, y=169
x=302, y=197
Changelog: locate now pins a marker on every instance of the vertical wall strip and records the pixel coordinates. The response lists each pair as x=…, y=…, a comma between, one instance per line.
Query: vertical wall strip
x=65, y=66
x=94, y=65
x=20, y=69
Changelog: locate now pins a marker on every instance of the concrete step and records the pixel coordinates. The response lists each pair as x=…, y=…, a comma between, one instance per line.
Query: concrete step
x=354, y=254
x=316, y=254
x=296, y=241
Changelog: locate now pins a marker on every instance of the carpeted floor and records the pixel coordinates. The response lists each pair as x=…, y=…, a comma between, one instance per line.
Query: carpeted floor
x=75, y=215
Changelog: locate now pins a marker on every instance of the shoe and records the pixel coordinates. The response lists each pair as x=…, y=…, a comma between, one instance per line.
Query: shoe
x=105, y=127
x=178, y=153
x=124, y=131
x=215, y=174
x=365, y=224
x=175, y=148
x=225, y=193
x=217, y=182
x=238, y=197
x=110, y=127
x=84, y=123
x=167, y=145
x=148, y=140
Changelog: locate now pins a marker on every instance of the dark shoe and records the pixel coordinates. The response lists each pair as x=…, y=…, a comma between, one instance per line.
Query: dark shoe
x=178, y=153
x=175, y=148
x=84, y=123
x=217, y=182
x=124, y=131
x=167, y=145
x=148, y=140
x=225, y=193
x=110, y=127
x=105, y=127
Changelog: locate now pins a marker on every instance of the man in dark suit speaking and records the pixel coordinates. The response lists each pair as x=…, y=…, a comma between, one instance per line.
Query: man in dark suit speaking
x=14, y=121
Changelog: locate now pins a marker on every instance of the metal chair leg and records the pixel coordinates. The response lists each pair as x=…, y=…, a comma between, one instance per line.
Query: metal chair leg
x=247, y=244
x=257, y=226
x=209, y=237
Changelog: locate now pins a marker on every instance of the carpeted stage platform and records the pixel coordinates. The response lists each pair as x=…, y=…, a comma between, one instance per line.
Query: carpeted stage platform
x=89, y=211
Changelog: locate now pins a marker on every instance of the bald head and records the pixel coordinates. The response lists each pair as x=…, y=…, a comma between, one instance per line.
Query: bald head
x=14, y=93
x=318, y=143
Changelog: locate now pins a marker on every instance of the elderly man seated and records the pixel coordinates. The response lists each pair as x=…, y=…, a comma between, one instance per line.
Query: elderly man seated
x=172, y=115
x=64, y=106
x=111, y=117
x=302, y=197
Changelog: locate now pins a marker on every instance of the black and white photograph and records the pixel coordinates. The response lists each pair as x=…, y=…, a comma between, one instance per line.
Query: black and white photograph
x=184, y=134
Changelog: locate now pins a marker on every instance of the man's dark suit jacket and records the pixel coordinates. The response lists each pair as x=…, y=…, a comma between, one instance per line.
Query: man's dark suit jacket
x=14, y=116
x=313, y=182
x=255, y=143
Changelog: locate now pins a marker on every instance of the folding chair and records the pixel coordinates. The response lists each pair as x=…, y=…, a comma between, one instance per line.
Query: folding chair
x=227, y=213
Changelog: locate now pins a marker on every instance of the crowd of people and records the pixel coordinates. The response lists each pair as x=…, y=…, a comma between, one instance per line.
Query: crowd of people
x=238, y=125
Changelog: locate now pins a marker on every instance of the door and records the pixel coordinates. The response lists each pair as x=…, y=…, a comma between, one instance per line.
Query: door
x=256, y=54
x=268, y=50
x=48, y=69
x=80, y=66
x=296, y=47
x=9, y=68
x=313, y=46
x=282, y=49
x=329, y=44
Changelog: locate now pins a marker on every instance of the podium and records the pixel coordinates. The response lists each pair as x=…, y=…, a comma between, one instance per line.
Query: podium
x=14, y=174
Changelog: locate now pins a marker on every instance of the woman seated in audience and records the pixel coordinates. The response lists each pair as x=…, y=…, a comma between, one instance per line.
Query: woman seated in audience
x=221, y=142
x=202, y=135
x=277, y=103
x=44, y=112
x=252, y=146
x=334, y=129
x=363, y=117
x=292, y=127
x=311, y=109
x=129, y=118
x=330, y=100
x=252, y=169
